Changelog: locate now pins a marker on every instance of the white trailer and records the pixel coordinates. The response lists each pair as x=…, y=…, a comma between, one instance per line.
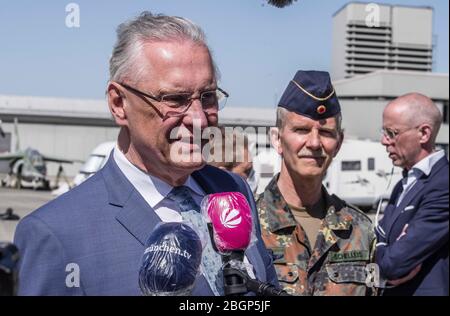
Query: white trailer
x=362, y=173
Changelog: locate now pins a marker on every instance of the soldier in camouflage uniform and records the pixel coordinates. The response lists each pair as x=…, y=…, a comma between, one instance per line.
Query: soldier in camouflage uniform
x=308, y=137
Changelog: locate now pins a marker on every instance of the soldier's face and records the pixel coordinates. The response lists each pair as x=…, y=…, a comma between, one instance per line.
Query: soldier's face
x=308, y=146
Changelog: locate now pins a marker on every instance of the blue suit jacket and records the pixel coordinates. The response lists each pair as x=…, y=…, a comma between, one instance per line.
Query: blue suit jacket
x=102, y=226
x=426, y=210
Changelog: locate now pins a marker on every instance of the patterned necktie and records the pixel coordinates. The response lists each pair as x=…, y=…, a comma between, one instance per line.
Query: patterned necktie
x=211, y=260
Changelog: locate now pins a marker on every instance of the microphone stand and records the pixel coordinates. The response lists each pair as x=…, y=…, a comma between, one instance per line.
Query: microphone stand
x=238, y=282
x=8, y=273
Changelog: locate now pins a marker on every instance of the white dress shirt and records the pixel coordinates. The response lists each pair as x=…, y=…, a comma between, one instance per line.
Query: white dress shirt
x=422, y=167
x=154, y=190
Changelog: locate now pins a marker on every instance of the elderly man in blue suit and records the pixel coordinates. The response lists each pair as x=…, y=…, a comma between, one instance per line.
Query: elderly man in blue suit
x=162, y=91
x=412, y=250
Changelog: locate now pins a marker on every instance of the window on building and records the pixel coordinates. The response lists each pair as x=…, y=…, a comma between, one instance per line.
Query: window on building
x=351, y=165
x=371, y=164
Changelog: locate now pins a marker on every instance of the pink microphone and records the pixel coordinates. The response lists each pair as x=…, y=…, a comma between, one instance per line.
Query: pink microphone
x=231, y=219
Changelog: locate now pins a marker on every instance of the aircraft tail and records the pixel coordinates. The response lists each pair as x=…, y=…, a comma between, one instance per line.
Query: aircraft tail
x=16, y=131
x=2, y=133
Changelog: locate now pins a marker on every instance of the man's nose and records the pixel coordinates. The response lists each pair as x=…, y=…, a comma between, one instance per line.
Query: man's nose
x=196, y=114
x=384, y=140
x=313, y=140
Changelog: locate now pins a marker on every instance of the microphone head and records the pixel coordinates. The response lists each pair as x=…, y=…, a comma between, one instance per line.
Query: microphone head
x=231, y=218
x=171, y=260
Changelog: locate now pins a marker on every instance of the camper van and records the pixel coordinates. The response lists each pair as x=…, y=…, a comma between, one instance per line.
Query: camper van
x=361, y=174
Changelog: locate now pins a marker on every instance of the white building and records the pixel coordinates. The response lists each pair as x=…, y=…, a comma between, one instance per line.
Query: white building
x=65, y=128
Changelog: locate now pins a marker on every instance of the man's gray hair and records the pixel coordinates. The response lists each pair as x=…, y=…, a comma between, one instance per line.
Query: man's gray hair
x=281, y=119
x=146, y=28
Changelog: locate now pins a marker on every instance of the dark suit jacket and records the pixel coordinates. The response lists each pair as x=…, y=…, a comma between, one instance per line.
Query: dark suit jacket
x=102, y=226
x=426, y=209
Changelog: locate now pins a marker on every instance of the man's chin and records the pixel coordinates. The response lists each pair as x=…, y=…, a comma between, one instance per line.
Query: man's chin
x=397, y=163
x=189, y=162
x=312, y=173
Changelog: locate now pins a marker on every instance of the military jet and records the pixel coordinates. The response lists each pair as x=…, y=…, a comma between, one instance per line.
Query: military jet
x=28, y=169
x=2, y=133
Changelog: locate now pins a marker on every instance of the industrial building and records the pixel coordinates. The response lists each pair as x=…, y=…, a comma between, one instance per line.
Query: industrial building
x=369, y=37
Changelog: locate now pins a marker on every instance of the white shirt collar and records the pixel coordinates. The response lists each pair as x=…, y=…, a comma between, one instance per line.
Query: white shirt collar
x=427, y=163
x=152, y=189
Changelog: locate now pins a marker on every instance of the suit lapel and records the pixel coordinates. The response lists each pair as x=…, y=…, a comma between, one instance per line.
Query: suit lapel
x=415, y=190
x=405, y=202
x=206, y=184
x=136, y=216
x=252, y=253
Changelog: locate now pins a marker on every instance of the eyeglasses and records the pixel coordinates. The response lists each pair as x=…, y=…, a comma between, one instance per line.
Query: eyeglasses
x=391, y=134
x=178, y=103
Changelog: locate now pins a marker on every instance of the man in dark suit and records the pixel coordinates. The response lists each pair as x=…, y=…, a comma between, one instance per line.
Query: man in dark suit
x=412, y=249
x=162, y=92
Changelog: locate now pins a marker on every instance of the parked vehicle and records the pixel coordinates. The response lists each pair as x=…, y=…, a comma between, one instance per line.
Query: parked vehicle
x=361, y=174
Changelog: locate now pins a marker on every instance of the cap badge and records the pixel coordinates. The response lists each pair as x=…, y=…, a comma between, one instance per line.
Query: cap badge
x=321, y=109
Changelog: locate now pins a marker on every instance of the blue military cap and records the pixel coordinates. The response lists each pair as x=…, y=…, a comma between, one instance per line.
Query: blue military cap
x=311, y=94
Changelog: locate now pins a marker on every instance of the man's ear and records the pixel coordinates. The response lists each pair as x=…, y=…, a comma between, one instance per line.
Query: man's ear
x=116, y=103
x=341, y=141
x=275, y=139
x=425, y=133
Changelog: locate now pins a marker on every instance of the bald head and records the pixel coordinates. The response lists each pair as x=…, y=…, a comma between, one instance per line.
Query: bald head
x=414, y=109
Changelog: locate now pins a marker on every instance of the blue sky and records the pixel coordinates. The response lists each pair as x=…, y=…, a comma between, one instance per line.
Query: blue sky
x=257, y=47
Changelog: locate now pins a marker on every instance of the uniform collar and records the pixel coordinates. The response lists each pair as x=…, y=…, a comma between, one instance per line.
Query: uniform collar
x=280, y=215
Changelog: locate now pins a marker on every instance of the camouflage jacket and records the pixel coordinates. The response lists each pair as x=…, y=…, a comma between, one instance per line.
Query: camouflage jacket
x=337, y=265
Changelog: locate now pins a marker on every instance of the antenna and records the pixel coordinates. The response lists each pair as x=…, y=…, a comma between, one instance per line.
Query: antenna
x=2, y=133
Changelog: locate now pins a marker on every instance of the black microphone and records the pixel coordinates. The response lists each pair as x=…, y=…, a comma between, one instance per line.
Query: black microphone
x=9, y=256
x=231, y=229
x=171, y=261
